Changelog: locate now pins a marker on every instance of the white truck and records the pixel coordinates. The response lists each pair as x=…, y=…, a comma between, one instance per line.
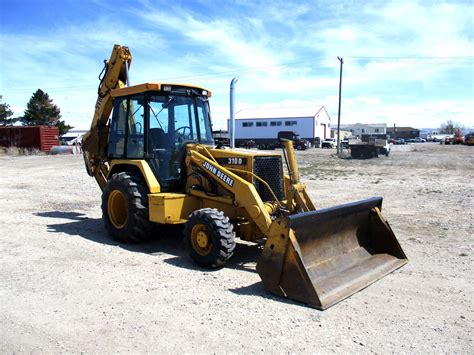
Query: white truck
x=436, y=137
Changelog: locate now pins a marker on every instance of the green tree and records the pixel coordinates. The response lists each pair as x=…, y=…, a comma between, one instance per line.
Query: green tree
x=40, y=110
x=63, y=127
x=5, y=114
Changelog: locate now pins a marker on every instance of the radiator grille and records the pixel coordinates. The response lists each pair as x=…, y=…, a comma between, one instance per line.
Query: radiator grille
x=270, y=170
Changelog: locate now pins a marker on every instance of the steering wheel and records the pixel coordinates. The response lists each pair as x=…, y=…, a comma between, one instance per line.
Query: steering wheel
x=181, y=137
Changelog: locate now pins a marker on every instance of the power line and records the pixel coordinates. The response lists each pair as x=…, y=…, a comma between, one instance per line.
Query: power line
x=239, y=70
x=51, y=88
x=414, y=59
x=436, y=60
x=180, y=77
x=470, y=58
x=419, y=59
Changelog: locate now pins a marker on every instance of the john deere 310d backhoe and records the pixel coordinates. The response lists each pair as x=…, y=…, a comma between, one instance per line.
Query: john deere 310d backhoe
x=156, y=162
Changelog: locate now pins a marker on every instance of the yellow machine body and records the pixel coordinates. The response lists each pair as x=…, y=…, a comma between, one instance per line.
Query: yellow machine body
x=318, y=257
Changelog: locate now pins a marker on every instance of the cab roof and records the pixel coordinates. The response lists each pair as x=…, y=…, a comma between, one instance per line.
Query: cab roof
x=136, y=89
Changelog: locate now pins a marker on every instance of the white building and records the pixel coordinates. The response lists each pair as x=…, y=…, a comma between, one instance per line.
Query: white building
x=263, y=125
x=357, y=129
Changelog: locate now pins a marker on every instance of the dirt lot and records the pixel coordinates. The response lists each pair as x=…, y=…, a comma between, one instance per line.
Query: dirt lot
x=66, y=287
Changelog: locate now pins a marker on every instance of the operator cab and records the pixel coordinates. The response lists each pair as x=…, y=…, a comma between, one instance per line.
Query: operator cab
x=155, y=122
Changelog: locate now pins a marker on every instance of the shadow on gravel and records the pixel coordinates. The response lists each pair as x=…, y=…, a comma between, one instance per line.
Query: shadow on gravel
x=257, y=289
x=165, y=239
x=244, y=258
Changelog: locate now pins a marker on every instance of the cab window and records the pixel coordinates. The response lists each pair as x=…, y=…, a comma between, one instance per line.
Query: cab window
x=116, y=146
x=136, y=128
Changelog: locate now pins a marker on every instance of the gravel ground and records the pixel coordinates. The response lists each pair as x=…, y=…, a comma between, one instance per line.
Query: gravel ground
x=66, y=287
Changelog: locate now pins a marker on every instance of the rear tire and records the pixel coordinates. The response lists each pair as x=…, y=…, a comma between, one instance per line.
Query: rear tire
x=125, y=208
x=355, y=153
x=210, y=237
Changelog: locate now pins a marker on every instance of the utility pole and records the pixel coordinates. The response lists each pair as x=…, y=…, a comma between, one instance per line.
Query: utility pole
x=341, y=61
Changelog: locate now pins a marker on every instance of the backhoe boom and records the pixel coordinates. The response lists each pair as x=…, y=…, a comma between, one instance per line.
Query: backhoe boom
x=94, y=144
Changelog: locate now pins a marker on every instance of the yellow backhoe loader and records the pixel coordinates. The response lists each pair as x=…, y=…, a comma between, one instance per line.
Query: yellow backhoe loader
x=156, y=162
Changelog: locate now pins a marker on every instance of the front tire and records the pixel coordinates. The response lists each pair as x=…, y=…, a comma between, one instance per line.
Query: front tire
x=210, y=237
x=125, y=208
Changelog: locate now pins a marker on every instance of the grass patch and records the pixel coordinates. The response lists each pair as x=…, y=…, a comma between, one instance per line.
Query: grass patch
x=16, y=151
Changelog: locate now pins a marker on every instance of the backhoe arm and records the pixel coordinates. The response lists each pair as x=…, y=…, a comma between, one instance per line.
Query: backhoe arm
x=94, y=144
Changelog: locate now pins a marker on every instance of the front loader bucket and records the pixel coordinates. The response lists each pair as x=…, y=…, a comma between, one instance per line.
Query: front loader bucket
x=322, y=257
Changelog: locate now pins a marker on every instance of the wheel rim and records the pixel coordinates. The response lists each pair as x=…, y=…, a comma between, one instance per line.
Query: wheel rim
x=200, y=239
x=117, y=209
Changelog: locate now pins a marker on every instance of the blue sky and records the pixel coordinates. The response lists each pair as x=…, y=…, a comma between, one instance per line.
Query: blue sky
x=405, y=62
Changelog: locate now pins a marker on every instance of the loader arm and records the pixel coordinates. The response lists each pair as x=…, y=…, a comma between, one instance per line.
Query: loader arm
x=94, y=143
x=245, y=194
x=296, y=195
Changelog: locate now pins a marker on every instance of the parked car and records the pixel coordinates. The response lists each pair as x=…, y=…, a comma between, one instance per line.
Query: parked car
x=448, y=140
x=345, y=144
x=71, y=139
x=298, y=143
x=247, y=144
x=469, y=139
x=396, y=141
x=328, y=143
x=419, y=140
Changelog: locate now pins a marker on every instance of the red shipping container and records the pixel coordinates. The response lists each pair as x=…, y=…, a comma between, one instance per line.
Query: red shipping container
x=31, y=137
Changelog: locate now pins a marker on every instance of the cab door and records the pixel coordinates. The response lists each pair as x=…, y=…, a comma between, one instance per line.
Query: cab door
x=127, y=128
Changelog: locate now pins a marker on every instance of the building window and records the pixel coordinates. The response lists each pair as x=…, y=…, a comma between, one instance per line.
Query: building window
x=247, y=124
x=275, y=123
x=363, y=130
x=290, y=123
x=262, y=124
x=376, y=130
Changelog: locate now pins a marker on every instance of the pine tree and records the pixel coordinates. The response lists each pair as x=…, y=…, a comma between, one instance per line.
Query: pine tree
x=5, y=114
x=63, y=127
x=40, y=110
